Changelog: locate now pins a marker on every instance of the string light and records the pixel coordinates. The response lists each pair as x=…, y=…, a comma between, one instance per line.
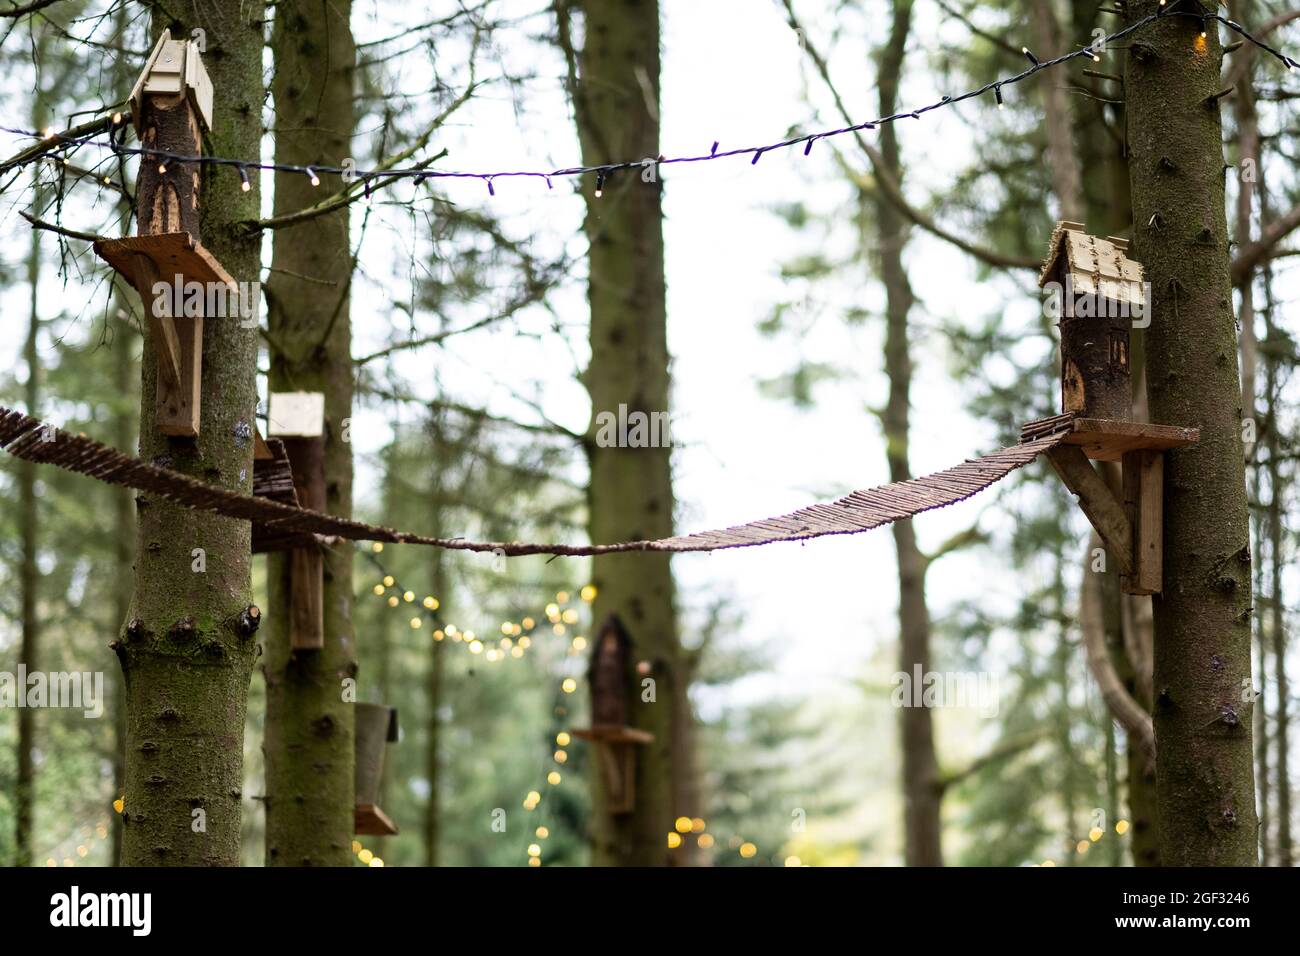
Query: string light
x=419, y=174
x=1029, y=55
x=244, y=184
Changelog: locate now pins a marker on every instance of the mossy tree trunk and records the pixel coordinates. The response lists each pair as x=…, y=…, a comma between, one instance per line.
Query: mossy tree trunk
x=1205, y=783
x=616, y=102
x=187, y=650
x=126, y=373
x=309, y=725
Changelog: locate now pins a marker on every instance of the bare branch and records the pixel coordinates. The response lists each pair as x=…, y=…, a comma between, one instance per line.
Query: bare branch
x=55, y=140
x=27, y=8
x=60, y=230
x=885, y=180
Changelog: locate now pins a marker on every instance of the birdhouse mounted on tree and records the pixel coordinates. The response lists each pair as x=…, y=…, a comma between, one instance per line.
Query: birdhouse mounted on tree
x=297, y=419
x=612, y=683
x=375, y=728
x=171, y=107
x=1100, y=291
x=175, y=67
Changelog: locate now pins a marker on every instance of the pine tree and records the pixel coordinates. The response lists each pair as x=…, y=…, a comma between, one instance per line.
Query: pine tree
x=309, y=723
x=1205, y=783
x=615, y=90
x=187, y=650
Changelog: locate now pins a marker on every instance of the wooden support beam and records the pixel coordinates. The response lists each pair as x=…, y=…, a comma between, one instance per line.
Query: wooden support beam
x=307, y=565
x=1144, y=478
x=1098, y=503
x=166, y=343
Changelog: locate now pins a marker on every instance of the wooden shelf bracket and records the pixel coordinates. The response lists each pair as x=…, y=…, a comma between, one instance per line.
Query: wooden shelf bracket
x=1133, y=529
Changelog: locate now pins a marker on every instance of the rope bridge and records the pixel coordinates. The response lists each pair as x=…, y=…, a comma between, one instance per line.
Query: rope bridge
x=35, y=441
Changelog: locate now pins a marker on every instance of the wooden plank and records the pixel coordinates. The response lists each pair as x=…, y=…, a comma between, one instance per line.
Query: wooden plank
x=177, y=409
x=1107, y=440
x=166, y=342
x=369, y=820
x=307, y=565
x=174, y=253
x=1098, y=503
x=1144, y=505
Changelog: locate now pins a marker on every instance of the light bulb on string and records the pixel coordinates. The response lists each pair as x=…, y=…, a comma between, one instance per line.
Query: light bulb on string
x=600, y=185
x=997, y=95
x=162, y=169
x=311, y=175
x=1029, y=55
x=244, y=184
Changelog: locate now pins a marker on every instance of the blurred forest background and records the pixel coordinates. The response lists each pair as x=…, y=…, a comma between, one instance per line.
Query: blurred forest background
x=861, y=315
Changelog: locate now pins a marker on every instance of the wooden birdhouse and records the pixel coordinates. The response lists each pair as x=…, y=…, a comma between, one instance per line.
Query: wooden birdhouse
x=175, y=67
x=375, y=728
x=180, y=282
x=1100, y=291
x=612, y=684
x=297, y=420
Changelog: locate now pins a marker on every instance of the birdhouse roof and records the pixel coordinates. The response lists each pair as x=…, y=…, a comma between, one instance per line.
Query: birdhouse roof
x=1095, y=266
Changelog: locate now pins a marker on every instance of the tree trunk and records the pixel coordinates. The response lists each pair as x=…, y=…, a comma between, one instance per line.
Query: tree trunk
x=1205, y=783
x=437, y=657
x=29, y=573
x=616, y=104
x=309, y=725
x=1062, y=157
x=1276, y=605
x=922, y=795
x=126, y=374
x=188, y=650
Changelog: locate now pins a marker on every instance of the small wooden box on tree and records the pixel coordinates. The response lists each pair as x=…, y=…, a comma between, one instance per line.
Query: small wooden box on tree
x=612, y=682
x=1100, y=292
x=298, y=420
x=375, y=728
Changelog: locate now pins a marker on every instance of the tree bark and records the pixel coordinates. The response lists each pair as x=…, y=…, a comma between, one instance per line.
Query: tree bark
x=922, y=795
x=437, y=657
x=1062, y=157
x=126, y=374
x=616, y=105
x=1205, y=783
x=187, y=651
x=310, y=793
x=29, y=573
x=1277, y=607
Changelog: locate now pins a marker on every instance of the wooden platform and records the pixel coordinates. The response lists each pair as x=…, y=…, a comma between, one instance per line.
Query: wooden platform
x=371, y=821
x=172, y=253
x=1131, y=526
x=177, y=262
x=614, y=735
x=1106, y=440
